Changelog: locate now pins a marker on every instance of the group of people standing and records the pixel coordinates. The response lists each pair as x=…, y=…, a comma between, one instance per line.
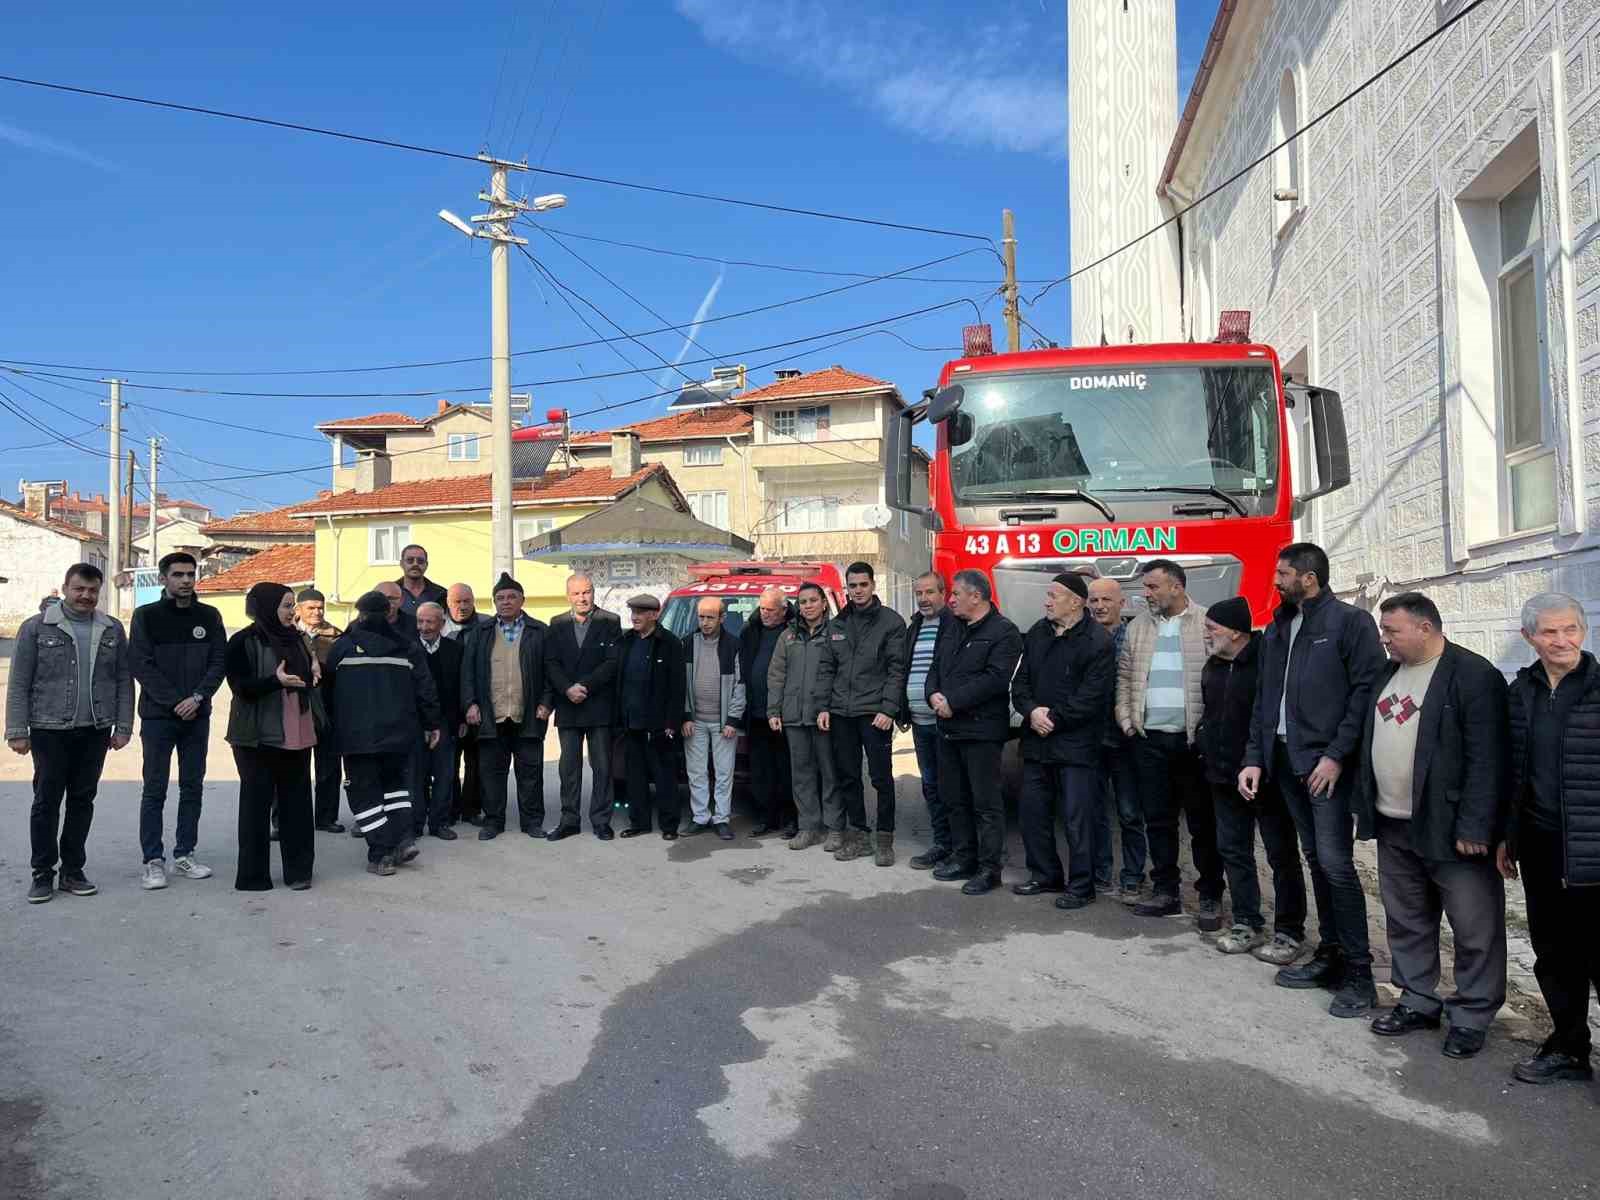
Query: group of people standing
x=1306, y=731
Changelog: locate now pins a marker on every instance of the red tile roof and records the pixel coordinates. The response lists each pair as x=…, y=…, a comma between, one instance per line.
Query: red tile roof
x=593, y=484
x=275, y=520
x=723, y=420
x=97, y=504
x=291, y=564
x=387, y=420
x=63, y=528
x=830, y=381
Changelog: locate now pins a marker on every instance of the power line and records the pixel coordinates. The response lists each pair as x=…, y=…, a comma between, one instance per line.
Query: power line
x=1254, y=163
x=414, y=148
x=448, y=362
x=723, y=260
x=854, y=337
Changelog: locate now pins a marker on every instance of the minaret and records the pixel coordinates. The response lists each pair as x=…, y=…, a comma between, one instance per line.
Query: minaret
x=1122, y=99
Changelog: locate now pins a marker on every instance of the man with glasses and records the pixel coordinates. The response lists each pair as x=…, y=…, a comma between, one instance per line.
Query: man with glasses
x=416, y=589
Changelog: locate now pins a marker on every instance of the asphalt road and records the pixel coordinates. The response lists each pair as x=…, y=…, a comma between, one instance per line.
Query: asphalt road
x=522, y=1019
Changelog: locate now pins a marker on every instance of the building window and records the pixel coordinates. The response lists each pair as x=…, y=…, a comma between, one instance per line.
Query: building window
x=710, y=507
x=384, y=542
x=702, y=454
x=1288, y=162
x=810, y=514
x=803, y=424
x=1525, y=433
x=463, y=447
x=532, y=527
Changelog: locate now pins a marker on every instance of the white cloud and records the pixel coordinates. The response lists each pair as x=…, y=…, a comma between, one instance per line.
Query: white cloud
x=975, y=85
x=38, y=142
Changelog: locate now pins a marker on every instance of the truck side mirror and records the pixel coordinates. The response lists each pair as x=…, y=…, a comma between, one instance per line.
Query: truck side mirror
x=958, y=429
x=1330, y=444
x=945, y=403
x=897, y=474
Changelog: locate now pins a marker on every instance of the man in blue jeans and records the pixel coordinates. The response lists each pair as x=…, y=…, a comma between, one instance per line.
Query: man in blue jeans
x=176, y=651
x=929, y=623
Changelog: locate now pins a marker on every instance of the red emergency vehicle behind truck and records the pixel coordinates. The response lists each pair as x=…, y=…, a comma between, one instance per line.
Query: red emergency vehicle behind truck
x=1098, y=459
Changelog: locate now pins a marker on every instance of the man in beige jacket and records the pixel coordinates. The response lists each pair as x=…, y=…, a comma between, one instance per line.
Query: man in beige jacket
x=1158, y=707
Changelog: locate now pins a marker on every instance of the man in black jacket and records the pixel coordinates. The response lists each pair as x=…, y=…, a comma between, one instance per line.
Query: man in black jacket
x=1432, y=786
x=384, y=703
x=1554, y=830
x=651, y=689
x=1228, y=689
x=1061, y=690
x=969, y=688
x=465, y=621
x=867, y=643
x=582, y=668
x=1320, y=660
x=433, y=767
x=176, y=651
x=769, y=748
x=506, y=697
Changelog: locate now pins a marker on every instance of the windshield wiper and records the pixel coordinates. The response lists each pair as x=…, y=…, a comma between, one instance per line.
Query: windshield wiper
x=1199, y=489
x=1079, y=494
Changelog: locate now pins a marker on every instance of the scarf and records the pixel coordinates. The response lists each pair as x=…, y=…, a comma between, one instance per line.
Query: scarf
x=286, y=641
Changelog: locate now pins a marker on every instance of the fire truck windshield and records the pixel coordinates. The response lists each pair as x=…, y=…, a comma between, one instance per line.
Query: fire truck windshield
x=1111, y=429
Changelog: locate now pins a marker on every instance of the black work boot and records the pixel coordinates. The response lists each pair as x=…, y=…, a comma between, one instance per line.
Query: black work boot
x=1324, y=969
x=1357, y=996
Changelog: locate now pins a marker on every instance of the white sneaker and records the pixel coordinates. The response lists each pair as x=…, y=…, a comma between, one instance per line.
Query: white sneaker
x=155, y=875
x=189, y=869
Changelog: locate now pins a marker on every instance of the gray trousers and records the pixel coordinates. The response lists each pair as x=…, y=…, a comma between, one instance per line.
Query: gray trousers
x=1415, y=894
x=709, y=751
x=573, y=738
x=816, y=799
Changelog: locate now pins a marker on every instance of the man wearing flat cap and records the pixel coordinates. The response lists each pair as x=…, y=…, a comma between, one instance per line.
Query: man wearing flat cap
x=1061, y=690
x=506, y=697
x=652, y=691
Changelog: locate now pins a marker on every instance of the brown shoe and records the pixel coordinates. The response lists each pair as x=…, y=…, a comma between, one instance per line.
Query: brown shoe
x=885, y=853
x=805, y=839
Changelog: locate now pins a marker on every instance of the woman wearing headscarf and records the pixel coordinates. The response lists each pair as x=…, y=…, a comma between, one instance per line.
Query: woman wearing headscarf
x=272, y=728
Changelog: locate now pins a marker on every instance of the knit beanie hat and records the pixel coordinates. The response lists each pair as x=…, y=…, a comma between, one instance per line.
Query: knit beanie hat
x=1074, y=583
x=1232, y=613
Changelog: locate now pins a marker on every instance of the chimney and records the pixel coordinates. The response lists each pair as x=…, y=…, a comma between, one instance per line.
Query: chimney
x=36, y=496
x=626, y=456
x=783, y=373
x=443, y=404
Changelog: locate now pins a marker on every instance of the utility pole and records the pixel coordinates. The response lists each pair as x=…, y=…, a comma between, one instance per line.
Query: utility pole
x=127, y=540
x=1008, y=243
x=495, y=227
x=155, y=459
x=114, y=502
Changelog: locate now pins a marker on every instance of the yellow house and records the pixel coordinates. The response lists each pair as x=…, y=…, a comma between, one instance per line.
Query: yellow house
x=375, y=450
x=359, y=534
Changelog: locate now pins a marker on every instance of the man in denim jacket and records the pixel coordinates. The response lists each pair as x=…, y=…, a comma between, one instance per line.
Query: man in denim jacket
x=69, y=696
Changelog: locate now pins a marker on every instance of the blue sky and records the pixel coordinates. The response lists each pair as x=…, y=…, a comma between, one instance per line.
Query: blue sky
x=142, y=240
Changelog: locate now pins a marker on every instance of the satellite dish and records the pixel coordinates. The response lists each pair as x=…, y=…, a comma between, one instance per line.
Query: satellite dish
x=877, y=516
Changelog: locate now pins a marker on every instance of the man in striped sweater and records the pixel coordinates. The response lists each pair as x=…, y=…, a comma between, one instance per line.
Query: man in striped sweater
x=930, y=622
x=1159, y=705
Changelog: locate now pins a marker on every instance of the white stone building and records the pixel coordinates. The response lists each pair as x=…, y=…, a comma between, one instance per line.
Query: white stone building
x=1436, y=265
x=35, y=552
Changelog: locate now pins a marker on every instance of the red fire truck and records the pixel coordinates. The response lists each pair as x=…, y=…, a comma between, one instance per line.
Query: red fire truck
x=1098, y=459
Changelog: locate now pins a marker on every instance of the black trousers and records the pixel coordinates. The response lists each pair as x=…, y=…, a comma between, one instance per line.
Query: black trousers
x=1237, y=822
x=469, y=796
x=325, y=757
x=1564, y=926
x=850, y=737
x=1170, y=780
x=433, y=783
x=652, y=760
x=573, y=740
x=381, y=799
x=771, y=783
x=66, y=766
x=498, y=750
x=269, y=776
x=1075, y=793
x=969, y=781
